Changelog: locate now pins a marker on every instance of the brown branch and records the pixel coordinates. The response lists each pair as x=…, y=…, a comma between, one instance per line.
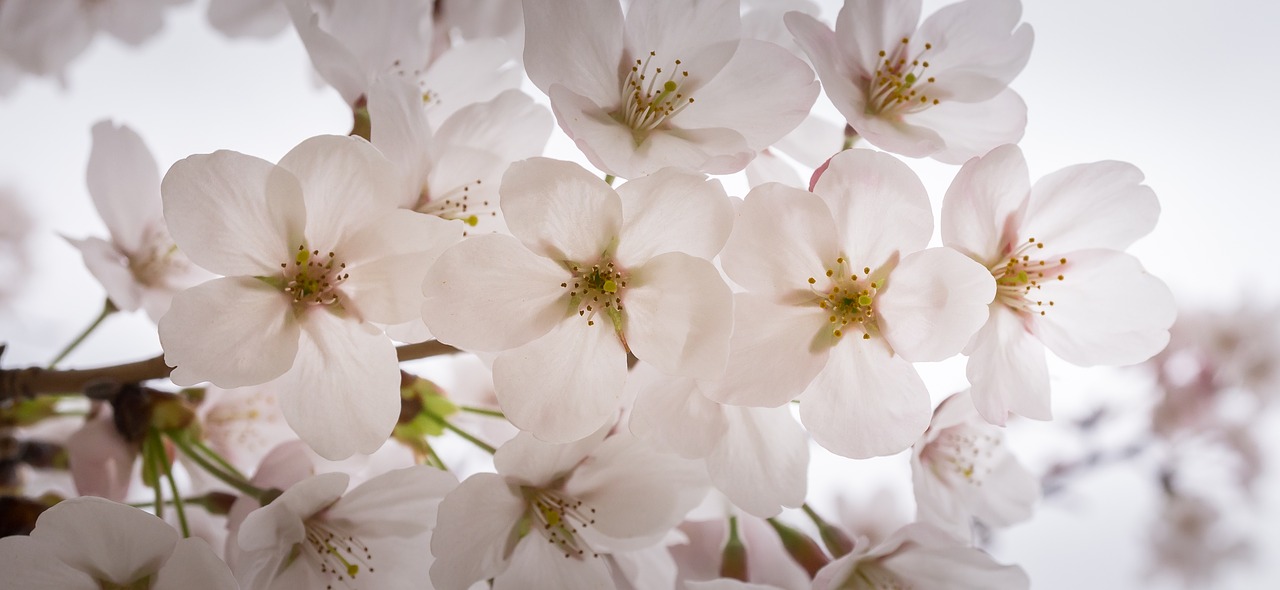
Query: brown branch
x=30, y=382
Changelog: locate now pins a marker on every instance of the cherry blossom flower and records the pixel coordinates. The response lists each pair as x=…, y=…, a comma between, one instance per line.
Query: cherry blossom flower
x=591, y=274
x=962, y=470
x=758, y=457
x=940, y=90
x=842, y=298
x=100, y=459
x=552, y=514
x=248, y=18
x=140, y=266
x=89, y=543
x=918, y=556
x=313, y=251
x=1055, y=250
x=700, y=555
x=674, y=84
x=43, y=36
x=317, y=534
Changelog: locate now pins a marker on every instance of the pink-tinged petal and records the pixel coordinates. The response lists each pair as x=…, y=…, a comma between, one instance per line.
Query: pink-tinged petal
x=560, y=210
x=131, y=24
x=525, y=460
x=101, y=461
x=248, y=18
x=976, y=49
x=387, y=262
x=783, y=237
x=673, y=414
x=678, y=315
x=938, y=504
x=879, y=205
x=26, y=564
x=280, y=523
x=702, y=35
x=972, y=129
x=342, y=395
x=26, y=29
x=473, y=530
x=672, y=211
x=511, y=126
x=1007, y=369
x=954, y=567
x=763, y=93
x=1107, y=310
x=867, y=402
x=638, y=494
x=841, y=79
x=538, y=564
x=194, y=560
x=111, y=268
x=124, y=182
x=901, y=136
x=85, y=533
x=775, y=352
x=768, y=167
x=452, y=81
x=346, y=183
x=330, y=57
x=763, y=462
x=1098, y=205
x=399, y=503
x=490, y=293
x=983, y=203
x=232, y=332
x=1009, y=494
x=399, y=129
x=934, y=302
x=564, y=385
x=233, y=214
x=812, y=143
x=586, y=62
x=867, y=27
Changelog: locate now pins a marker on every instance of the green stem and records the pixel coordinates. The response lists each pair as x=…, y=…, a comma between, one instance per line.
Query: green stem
x=108, y=308
x=149, y=455
x=158, y=445
x=435, y=459
x=458, y=431
x=482, y=411
x=211, y=454
x=262, y=496
x=609, y=178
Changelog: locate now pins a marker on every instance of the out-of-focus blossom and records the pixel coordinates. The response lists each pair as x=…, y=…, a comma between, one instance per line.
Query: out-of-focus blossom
x=15, y=253
x=242, y=425
x=700, y=556
x=43, y=36
x=101, y=460
x=674, y=84
x=842, y=298
x=940, y=90
x=552, y=514
x=1189, y=540
x=919, y=556
x=592, y=274
x=140, y=266
x=90, y=543
x=313, y=252
x=962, y=470
x=248, y=18
x=1064, y=282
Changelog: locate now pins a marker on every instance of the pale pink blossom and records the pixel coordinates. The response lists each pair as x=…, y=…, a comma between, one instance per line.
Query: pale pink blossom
x=1055, y=249
x=939, y=90
x=672, y=84
x=552, y=514
x=841, y=298
x=248, y=18
x=140, y=266
x=591, y=274
x=100, y=459
x=919, y=556
x=700, y=555
x=314, y=252
x=43, y=36
x=90, y=543
x=963, y=470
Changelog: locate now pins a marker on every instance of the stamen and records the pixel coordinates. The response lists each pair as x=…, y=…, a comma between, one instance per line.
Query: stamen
x=561, y=519
x=895, y=89
x=652, y=99
x=595, y=289
x=313, y=279
x=1020, y=274
x=851, y=302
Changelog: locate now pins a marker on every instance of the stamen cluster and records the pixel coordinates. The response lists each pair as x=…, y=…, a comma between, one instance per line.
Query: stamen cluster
x=895, y=87
x=850, y=300
x=650, y=99
x=596, y=289
x=1022, y=274
x=314, y=279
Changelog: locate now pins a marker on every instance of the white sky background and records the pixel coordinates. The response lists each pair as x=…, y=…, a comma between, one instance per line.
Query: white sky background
x=1183, y=89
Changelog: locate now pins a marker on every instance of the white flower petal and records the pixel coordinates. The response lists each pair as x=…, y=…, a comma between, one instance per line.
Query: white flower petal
x=560, y=210
x=934, y=302
x=775, y=352
x=342, y=395
x=529, y=461
x=124, y=182
x=399, y=503
x=866, y=28
x=232, y=332
x=783, y=237
x=672, y=413
x=678, y=315
x=1007, y=369
x=101, y=461
x=1098, y=205
x=473, y=531
x=702, y=35
x=280, y=524
x=762, y=463
x=982, y=202
x=879, y=205
x=387, y=262
x=110, y=267
x=85, y=533
x=26, y=564
x=194, y=564
x=399, y=129
x=564, y=385
x=672, y=211
x=511, y=126
x=452, y=81
x=978, y=47
x=233, y=214
x=346, y=184
x=973, y=128
x=866, y=402
x=586, y=62
x=490, y=293
x=536, y=564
